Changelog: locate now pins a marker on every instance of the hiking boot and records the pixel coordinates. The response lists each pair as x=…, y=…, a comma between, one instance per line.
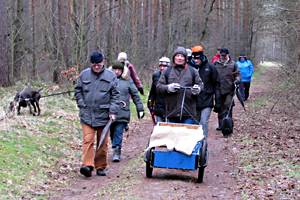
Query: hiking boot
x=126, y=128
x=101, y=172
x=116, y=154
x=86, y=171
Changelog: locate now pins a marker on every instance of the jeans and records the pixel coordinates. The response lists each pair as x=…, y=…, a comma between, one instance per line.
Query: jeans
x=159, y=119
x=184, y=120
x=116, y=133
x=204, y=117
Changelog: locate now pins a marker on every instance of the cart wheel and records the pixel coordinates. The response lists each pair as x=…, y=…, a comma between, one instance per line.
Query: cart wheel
x=200, y=174
x=149, y=170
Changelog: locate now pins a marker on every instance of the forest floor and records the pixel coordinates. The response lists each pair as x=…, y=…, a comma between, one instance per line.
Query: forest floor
x=261, y=160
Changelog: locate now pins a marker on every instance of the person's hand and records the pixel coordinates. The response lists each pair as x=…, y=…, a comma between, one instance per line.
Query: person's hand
x=141, y=114
x=141, y=90
x=113, y=117
x=196, y=89
x=173, y=87
x=150, y=105
x=237, y=82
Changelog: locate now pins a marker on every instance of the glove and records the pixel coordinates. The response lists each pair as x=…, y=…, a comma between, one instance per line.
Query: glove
x=150, y=105
x=217, y=108
x=141, y=114
x=141, y=90
x=237, y=82
x=113, y=117
x=173, y=87
x=196, y=89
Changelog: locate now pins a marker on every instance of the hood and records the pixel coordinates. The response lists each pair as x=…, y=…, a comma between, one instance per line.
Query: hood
x=126, y=73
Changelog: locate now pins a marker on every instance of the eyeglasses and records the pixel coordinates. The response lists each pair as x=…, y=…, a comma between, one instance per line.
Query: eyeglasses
x=223, y=55
x=196, y=58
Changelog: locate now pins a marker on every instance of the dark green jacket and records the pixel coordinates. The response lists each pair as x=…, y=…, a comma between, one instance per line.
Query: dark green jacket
x=127, y=89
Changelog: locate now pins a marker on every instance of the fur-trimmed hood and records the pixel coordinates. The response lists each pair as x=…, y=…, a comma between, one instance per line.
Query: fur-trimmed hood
x=126, y=73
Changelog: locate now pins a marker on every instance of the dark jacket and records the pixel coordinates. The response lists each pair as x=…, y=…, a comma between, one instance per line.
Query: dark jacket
x=155, y=99
x=228, y=73
x=127, y=89
x=211, y=90
x=186, y=78
x=97, y=96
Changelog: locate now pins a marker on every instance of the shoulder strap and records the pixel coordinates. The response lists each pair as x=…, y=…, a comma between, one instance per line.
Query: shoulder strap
x=193, y=73
x=167, y=73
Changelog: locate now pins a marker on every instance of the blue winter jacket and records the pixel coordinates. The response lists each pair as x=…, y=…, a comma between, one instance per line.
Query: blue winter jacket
x=246, y=70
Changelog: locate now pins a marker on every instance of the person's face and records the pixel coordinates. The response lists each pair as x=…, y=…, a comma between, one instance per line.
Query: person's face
x=97, y=67
x=179, y=59
x=162, y=66
x=242, y=59
x=224, y=57
x=118, y=72
x=197, y=60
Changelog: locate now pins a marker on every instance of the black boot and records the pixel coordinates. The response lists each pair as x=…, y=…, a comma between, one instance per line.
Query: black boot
x=219, y=128
x=86, y=171
x=116, y=154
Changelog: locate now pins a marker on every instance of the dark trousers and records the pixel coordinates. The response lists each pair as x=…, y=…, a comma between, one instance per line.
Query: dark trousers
x=244, y=90
x=225, y=107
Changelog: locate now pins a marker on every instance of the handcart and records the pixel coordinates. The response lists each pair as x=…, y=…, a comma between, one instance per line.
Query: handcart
x=168, y=154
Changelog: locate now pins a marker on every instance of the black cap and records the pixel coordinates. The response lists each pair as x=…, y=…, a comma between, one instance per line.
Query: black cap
x=96, y=57
x=224, y=51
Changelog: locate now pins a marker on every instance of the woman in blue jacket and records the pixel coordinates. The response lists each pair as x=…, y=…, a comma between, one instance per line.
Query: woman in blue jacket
x=246, y=70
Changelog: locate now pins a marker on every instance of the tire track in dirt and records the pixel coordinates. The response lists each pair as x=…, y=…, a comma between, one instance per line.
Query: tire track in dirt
x=127, y=180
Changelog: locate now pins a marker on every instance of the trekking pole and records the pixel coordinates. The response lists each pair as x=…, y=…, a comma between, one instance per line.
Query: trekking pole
x=183, y=99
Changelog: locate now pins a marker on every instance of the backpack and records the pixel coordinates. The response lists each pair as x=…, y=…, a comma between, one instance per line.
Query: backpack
x=168, y=71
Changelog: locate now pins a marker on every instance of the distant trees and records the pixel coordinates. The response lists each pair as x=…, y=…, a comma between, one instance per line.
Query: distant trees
x=43, y=37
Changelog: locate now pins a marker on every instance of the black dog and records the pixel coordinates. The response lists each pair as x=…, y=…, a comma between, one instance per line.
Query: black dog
x=27, y=97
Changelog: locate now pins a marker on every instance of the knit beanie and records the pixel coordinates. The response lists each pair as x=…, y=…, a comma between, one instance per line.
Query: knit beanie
x=180, y=50
x=122, y=56
x=117, y=65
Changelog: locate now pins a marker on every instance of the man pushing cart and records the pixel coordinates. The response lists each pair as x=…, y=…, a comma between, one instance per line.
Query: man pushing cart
x=186, y=146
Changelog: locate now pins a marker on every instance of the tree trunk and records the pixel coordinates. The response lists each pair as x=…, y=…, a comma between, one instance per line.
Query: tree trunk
x=4, y=66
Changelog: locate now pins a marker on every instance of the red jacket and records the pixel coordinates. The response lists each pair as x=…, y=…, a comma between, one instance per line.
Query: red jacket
x=215, y=58
x=137, y=81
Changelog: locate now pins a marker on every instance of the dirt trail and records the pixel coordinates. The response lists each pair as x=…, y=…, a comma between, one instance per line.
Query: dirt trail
x=126, y=180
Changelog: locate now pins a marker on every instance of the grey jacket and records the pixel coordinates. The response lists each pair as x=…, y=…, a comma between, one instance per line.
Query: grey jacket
x=97, y=97
x=127, y=89
x=186, y=78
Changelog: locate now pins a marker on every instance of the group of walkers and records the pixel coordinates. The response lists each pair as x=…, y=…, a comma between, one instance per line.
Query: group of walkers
x=185, y=89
